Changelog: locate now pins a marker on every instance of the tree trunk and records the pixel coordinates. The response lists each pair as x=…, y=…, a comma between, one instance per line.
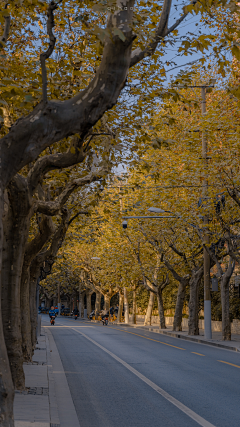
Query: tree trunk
x=106, y=302
x=177, y=323
x=226, y=321
x=25, y=316
x=34, y=275
x=148, y=316
x=119, y=316
x=6, y=384
x=126, y=306
x=16, y=227
x=97, y=303
x=134, y=305
x=81, y=296
x=161, y=308
x=89, y=306
x=193, y=328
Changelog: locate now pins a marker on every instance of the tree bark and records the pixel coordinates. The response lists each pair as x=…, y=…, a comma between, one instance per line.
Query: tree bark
x=193, y=324
x=226, y=321
x=161, y=308
x=97, y=303
x=126, y=306
x=106, y=302
x=119, y=316
x=134, y=305
x=148, y=316
x=89, y=306
x=81, y=296
x=27, y=348
x=177, y=323
x=16, y=226
x=6, y=384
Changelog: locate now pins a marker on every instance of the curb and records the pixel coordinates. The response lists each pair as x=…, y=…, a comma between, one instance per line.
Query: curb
x=53, y=407
x=187, y=338
x=176, y=335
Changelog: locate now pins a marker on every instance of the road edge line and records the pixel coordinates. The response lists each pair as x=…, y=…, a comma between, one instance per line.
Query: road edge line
x=56, y=360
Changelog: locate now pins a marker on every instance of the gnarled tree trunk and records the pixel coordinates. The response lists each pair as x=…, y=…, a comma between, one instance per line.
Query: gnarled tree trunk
x=148, y=316
x=177, y=323
x=97, y=303
x=161, y=308
x=26, y=316
x=226, y=321
x=106, y=302
x=6, y=384
x=16, y=227
x=193, y=328
x=119, y=316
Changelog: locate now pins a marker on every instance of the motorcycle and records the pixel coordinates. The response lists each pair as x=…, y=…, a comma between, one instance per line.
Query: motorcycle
x=52, y=321
x=105, y=320
x=75, y=316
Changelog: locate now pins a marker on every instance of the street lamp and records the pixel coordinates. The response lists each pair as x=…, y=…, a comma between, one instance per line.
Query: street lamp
x=207, y=300
x=124, y=223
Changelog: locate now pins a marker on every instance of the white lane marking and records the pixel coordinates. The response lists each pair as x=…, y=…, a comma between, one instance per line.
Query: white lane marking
x=201, y=421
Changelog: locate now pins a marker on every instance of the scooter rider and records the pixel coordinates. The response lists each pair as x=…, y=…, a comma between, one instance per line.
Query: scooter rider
x=75, y=311
x=52, y=313
x=104, y=313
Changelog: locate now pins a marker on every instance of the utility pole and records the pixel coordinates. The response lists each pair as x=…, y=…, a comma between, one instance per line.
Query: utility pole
x=59, y=300
x=206, y=257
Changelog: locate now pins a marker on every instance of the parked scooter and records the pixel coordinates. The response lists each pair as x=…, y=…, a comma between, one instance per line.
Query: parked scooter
x=92, y=314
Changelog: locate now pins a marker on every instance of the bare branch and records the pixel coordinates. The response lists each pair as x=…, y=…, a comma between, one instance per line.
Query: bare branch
x=161, y=32
x=234, y=195
x=52, y=40
x=53, y=207
x=75, y=216
x=45, y=164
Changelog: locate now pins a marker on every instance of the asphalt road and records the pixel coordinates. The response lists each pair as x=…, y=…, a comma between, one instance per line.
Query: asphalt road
x=119, y=376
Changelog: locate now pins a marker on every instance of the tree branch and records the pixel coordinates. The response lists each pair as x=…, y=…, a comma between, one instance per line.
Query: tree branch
x=46, y=229
x=45, y=164
x=4, y=37
x=52, y=41
x=53, y=207
x=52, y=121
x=161, y=32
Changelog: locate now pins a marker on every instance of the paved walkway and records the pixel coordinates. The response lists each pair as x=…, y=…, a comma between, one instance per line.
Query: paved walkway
x=216, y=340
x=36, y=405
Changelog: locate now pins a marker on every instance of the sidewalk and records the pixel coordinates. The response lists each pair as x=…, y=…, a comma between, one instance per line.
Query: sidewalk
x=216, y=340
x=36, y=406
